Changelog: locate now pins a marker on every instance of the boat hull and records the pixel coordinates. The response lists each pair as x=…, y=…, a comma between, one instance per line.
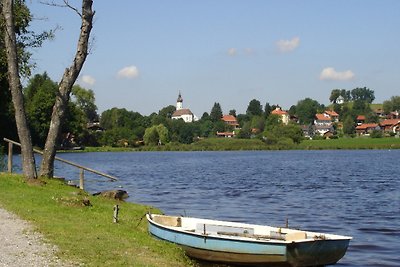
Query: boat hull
x=252, y=252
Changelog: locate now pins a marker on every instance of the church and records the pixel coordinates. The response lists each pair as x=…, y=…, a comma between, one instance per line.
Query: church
x=183, y=113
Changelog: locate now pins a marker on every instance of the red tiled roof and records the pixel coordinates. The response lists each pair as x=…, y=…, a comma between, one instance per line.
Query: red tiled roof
x=322, y=117
x=279, y=112
x=366, y=126
x=361, y=118
x=331, y=113
x=389, y=122
x=229, y=118
x=180, y=112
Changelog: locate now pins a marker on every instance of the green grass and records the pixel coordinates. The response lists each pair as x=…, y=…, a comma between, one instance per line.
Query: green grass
x=87, y=234
x=352, y=143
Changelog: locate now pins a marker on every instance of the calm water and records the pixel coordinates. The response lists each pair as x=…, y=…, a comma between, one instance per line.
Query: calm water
x=355, y=193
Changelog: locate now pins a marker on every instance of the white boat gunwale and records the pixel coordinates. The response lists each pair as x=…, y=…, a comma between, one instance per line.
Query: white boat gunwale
x=310, y=236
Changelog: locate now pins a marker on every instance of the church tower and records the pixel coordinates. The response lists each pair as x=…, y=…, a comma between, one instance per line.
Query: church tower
x=179, y=102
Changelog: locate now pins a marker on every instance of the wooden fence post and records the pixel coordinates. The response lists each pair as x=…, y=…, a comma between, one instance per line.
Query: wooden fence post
x=116, y=209
x=82, y=179
x=10, y=157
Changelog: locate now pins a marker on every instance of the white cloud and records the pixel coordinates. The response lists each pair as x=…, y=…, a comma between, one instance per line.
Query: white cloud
x=331, y=74
x=288, y=45
x=87, y=79
x=129, y=72
x=232, y=52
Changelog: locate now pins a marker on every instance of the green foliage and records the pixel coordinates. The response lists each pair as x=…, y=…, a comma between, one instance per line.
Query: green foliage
x=245, y=131
x=118, y=137
x=40, y=95
x=254, y=108
x=85, y=101
x=156, y=135
x=306, y=110
x=167, y=112
x=376, y=134
x=258, y=122
x=216, y=113
x=348, y=126
x=363, y=94
x=272, y=121
x=205, y=128
x=25, y=40
x=392, y=105
x=281, y=134
x=151, y=136
x=267, y=109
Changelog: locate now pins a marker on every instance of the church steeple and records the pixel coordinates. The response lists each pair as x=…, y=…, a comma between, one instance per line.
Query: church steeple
x=179, y=102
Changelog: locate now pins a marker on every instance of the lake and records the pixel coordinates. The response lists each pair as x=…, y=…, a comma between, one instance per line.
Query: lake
x=355, y=193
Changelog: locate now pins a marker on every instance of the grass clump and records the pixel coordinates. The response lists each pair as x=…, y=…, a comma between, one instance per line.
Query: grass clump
x=82, y=225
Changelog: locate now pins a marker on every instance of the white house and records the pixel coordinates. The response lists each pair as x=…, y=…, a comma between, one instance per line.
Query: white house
x=183, y=113
x=284, y=115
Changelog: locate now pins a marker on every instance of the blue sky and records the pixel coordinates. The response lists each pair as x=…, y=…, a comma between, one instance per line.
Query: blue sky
x=230, y=52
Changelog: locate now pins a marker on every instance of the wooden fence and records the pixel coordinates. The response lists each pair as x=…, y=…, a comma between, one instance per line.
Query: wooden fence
x=80, y=167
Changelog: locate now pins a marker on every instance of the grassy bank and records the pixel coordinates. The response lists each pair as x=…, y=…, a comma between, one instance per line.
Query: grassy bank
x=233, y=144
x=351, y=143
x=87, y=234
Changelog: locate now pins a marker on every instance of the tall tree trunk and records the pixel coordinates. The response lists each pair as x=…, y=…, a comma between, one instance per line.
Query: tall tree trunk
x=28, y=159
x=65, y=87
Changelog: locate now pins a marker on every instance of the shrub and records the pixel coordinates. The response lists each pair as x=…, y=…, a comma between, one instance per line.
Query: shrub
x=376, y=134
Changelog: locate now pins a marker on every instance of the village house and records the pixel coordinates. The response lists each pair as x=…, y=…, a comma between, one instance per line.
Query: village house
x=283, y=114
x=183, y=113
x=230, y=120
x=390, y=125
x=323, y=124
x=360, y=119
x=334, y=116
x=226, y=134
x=367, y=128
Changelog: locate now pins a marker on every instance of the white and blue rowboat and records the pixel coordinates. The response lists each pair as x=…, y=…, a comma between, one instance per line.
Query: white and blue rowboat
x=248, y=244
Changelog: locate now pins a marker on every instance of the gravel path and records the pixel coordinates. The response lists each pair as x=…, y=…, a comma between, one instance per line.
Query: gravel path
x=21, y=246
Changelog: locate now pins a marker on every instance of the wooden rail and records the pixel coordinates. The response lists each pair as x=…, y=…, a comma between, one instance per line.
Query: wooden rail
x=82, y=168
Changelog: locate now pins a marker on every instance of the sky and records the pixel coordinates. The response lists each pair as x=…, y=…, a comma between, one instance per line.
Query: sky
x=143, y=53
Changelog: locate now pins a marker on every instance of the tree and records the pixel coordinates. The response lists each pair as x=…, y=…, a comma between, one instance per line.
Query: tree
x=276, y=132
x=267, y=109
x=216, y=113
x=150, y=136
x=245, y=131
x=254, y=108
x=258, y=122
x=335, y=93
x=163, y=134
x=232, y=112
x=167, y=111
x=391, y=105
x=10, y=41
x=363, y=94
x=85, y=100
x=306, y=110
x=348, y=125
x=39, y=95
x=65, y=86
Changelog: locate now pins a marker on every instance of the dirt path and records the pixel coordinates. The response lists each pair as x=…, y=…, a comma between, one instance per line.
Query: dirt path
x=21, y=246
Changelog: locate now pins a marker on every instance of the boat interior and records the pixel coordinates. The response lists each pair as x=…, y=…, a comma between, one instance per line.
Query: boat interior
x=237, y=230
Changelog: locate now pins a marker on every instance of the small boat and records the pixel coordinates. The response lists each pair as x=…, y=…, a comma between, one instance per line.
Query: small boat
x=248, y=244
